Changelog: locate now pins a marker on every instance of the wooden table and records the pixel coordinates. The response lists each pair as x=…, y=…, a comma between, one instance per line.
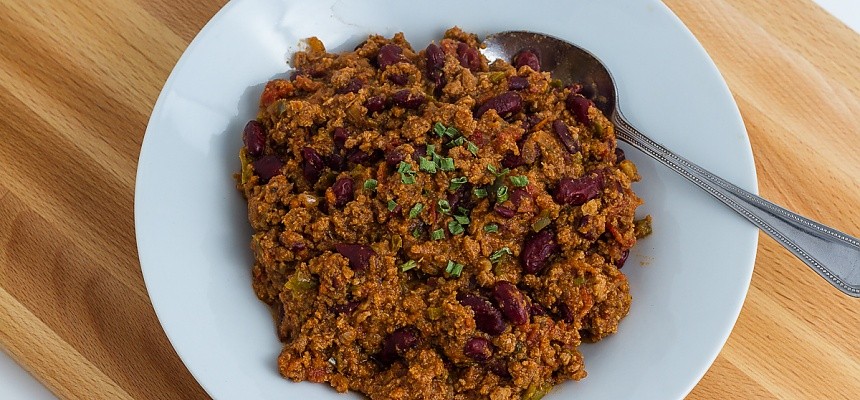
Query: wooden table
x=78, y=80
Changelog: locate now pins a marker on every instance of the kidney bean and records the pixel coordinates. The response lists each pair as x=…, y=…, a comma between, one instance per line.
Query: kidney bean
x=512, y=161
x=511, y=302
x=388, y=55
x=313, y=165
x=518, y=83
x=505, y=104
x=358, y=255
x=439, y=82
x=535, y=309
x=339, y=136
x=537, y=249
x=619, y=155
x=435, y=57
x=563, y=132
x=267, y=167
x=488, y=318
x=478, y=349
x=621, y=260
x=396, y=211
x=399, y=79
x=503, y=211
x=529, y=58
x=578, y=106
x=394, y=157
x=530, y=121
x=343, y=191
x=375, y=104
x=468, y=57
x=499, y=367
x=254, y=137
x=461, y=197
x=577, y=191
x=352, y=86
x=420, y=150
x=336, y=162
x=407, y=99
x=518, y=195
x=565, y=313
x=396, y=344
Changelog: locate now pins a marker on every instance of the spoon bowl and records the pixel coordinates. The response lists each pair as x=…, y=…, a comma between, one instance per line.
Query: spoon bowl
x=834, y=255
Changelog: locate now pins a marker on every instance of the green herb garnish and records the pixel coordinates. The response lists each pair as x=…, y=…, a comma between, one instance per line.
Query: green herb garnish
x=472, y=148
x=457, y=182
x=520, y=180
x=416, y=209
x=454, y=269
x=444, y=207
x=370, y=184
x=438, y=234
x=391, y=205
x=498, y=254
x=462, y=219
x=416, y=233
x=427, y=165
x=501, y=194
x=491, y=228
x=480, y=192
x=407, y=175
x=408, y=265
x=446, y=164
x=439, y=129
x=455, y=227
x=496, y=172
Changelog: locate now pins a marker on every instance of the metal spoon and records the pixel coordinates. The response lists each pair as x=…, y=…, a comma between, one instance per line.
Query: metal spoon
x=832, y=254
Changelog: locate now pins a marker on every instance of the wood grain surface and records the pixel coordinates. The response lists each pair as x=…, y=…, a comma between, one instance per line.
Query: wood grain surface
x=78, y=80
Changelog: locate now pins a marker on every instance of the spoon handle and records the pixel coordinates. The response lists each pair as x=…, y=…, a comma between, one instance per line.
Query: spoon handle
x=832, y=254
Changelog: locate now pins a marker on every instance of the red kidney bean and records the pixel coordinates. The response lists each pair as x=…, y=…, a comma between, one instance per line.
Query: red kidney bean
x=358, y=255
x=578, y=106
x=621, y=260
x=396, y=211
x=347, y=308
x=537, y=249
x=267, y=167
x=478, y=349
x=396, y=344
x=388, y=55
x=577, y=191
x=343, y=191
x=407, y=99
x=503, y=211
x=565, y=313
x=529, y=123
x=461, y=198
x=488, y=318
x=469, y=57
x=339, y=136
x=535, y=309
x=499, y=367
x=439, y=82
x=313, y=165
x=505, y=104
x=399, y=79
x=518, y=83
x=511, y=302
x=529, y=58
x=619, y=155
x=352, y=86
x=420, y=150
x=254, y=137
x=376, y=104
x=518, y=195
x=336, y=162
x=435, y=57
x=563, y=132
x=512, y=161
x=394, y=156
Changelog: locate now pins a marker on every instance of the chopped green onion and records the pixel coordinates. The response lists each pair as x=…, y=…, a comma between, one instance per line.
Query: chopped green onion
x=392, y=205
x=425, y=164
x=457, y=182
x=520, y=180
x=431, y=149
x=498, y=254
x=446, y=164
x=454, y=269
x=444, y=207
x=370, y=184
x=472, y=148
x=491, y=228
x=542, y=222
x=416, y=233
x=438, y=234
x=496, y=172
x=439, y=129
x=408, y=265
x=457, y=142
x=480, y=192
x=407, y=175
x=451, y=132
x=501, y=194
x=462, y=219
x=416, y=209
x=455, y=227
x=463, y=210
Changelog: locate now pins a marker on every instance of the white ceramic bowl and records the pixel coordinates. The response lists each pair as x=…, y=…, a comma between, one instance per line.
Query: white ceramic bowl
x=688, y=278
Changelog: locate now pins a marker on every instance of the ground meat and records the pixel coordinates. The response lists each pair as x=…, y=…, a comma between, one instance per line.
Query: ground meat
x=431, y=226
